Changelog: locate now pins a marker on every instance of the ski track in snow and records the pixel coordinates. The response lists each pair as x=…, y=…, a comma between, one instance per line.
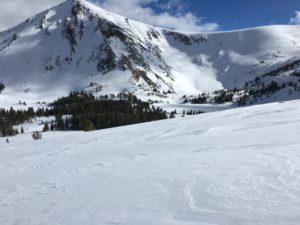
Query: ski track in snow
x=239, y=166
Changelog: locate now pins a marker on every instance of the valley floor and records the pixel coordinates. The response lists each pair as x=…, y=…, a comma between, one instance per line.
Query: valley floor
x=239, y=166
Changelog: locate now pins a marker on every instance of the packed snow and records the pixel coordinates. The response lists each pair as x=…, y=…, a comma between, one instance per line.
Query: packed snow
x=238, y=166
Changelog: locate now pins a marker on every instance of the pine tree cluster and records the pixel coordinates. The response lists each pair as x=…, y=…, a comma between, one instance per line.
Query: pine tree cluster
x=11, y=117
x=82, y=111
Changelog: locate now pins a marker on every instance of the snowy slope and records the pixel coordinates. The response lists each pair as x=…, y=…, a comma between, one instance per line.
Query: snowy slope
x=74, y=44
x=77, y=45
x=239, y=166
x=238, y=56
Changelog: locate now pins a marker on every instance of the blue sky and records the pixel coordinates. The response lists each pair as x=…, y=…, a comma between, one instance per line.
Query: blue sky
x=184, y=15
x=236, y=14
x=208, y=15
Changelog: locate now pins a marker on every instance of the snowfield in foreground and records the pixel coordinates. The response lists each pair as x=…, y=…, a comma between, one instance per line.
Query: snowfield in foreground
x=240, y=166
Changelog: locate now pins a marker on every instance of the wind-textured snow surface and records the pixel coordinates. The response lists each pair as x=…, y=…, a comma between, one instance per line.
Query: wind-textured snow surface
x=239, y=166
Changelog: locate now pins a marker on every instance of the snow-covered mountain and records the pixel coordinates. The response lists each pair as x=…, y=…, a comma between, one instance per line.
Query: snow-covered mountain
x=77, y=45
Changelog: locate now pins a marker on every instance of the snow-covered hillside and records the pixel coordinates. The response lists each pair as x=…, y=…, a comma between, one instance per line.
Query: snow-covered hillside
x=239, y=56
x=239, y=166
x=77, y=45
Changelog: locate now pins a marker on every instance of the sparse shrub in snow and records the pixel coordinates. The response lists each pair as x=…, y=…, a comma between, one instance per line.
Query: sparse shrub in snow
x=36, y=135
x=172, y=115
x=46, y=127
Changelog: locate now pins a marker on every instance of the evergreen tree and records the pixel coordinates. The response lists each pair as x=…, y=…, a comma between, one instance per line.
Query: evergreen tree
x=52, y=126
x=46, y=127
x=172, y=115
x=85, y=125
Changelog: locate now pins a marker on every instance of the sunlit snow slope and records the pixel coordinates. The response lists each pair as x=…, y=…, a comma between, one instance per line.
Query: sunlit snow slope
x=239, y=166
x=77, y=45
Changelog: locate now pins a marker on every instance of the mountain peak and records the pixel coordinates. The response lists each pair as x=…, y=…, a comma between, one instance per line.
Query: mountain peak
x=74, y=2
x=79, y=38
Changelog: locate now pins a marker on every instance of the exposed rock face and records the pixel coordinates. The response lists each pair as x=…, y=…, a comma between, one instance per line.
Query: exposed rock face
x=77, y=37
x=186, y=39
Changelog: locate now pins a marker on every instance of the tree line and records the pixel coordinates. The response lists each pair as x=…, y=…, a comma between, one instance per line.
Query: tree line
x=83, y=111
x=11, y=117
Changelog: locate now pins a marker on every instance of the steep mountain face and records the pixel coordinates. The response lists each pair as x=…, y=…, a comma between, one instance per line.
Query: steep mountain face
x=77, y=45
x=239, y=56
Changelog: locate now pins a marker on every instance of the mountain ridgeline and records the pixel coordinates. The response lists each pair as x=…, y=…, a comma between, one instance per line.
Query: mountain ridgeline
x=78, y=46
